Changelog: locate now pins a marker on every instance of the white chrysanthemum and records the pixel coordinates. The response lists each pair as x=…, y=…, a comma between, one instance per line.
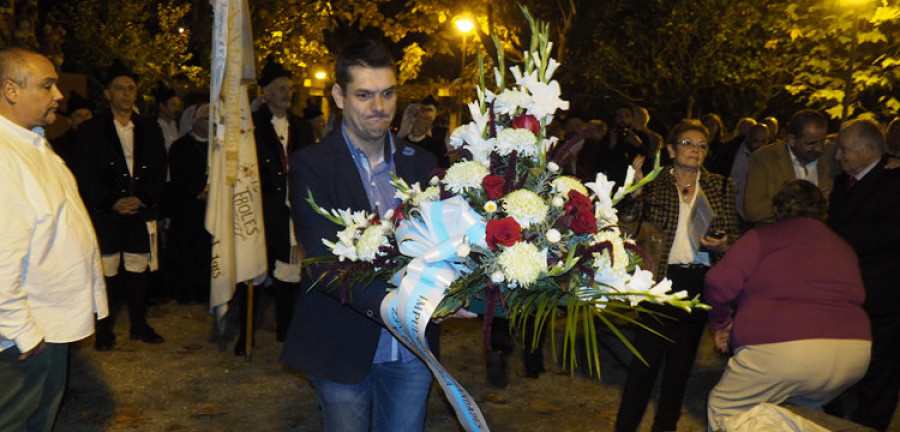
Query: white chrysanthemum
x=465, y=175
x=522, y=141
x=431, y=193
x=522, y=263
x=526, y=207
x=619, y=259
x=373, y=238
x=490, y=206
x=558, y=201
x=563, y=184
x=509, y=101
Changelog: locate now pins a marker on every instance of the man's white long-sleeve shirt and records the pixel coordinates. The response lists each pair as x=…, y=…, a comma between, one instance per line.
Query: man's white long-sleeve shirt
x=51, y=282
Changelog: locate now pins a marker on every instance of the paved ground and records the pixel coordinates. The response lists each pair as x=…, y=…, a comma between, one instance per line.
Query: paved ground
x=190, y=383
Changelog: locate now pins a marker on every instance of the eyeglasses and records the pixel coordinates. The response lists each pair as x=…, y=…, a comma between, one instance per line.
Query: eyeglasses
x=699, y=146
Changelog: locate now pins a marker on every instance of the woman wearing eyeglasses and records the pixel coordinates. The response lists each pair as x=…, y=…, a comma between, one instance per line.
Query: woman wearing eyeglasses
x=674, y=202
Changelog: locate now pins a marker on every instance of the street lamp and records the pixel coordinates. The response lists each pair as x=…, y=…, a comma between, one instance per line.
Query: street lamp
x=464, y=25
x=855, y=5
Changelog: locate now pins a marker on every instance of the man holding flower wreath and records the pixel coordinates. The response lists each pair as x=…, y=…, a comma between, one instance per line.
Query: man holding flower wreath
x=365, y=378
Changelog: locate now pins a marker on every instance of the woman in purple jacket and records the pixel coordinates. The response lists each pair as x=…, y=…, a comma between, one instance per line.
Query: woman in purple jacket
x=788, y=297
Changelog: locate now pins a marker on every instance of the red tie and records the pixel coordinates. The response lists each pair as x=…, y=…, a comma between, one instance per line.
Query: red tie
x=851, y=183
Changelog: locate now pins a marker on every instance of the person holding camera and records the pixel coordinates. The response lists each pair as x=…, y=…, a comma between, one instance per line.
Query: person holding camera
x=621, y=145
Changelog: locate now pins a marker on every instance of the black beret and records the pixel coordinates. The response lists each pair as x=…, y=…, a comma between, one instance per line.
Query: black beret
x=117, y=69
x=272, y=71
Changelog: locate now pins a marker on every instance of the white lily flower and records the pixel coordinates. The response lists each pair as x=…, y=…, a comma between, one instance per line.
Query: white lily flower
x=546, y=99
x=602, y=189
x=552, y=64
x=629, y=180
x=517, y=74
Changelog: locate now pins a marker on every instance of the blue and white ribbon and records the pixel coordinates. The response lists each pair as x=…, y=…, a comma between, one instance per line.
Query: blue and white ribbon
x=433, y=242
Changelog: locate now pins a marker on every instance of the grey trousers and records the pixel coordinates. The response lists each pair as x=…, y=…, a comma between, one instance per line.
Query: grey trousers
x=31, y=390
x=807, y=373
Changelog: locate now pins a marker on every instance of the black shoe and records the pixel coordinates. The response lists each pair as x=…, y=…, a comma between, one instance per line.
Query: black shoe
x=534, y=363
x=148, y=336
x=105, y=342
x=240, y=347
x=497, y=371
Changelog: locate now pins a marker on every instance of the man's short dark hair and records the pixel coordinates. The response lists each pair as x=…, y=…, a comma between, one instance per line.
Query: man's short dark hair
x=803, y=118
x=686, y=125
x=364, y=53
x=799, y=198
x=869, y=131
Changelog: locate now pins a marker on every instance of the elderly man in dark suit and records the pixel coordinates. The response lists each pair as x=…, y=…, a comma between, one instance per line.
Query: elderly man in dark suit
x=121, y=175
x=363, y=375
x=864, y=207
x=278, y=133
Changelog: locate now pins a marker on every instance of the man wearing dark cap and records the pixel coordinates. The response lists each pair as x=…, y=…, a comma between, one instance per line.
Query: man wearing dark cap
x=122, y=181
x=278, y=133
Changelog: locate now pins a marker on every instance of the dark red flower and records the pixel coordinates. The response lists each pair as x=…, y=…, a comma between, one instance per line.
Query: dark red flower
x=581, y=212
x=527, y=121
x=505, y=232
x=577, y=201
x=493, y=186
x=584, y=222
x=398, y=213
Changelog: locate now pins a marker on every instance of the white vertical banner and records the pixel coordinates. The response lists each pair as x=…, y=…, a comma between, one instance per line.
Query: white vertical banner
x=234, y=208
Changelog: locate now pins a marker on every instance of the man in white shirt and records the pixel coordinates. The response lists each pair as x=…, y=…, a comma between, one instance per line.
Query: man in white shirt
x=51, y=282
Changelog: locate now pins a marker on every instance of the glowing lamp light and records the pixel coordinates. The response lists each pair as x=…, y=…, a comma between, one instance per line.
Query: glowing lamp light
x=320, y=75
x=464, y=25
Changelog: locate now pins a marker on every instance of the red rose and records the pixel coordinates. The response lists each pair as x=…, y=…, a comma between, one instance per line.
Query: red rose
x=577, y=201
x=398, y=213
x=493, y=186
x=504, y=232
x=584, y=222
x=527, y=121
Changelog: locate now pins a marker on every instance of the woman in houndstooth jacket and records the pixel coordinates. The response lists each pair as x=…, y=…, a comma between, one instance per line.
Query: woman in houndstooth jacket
x=670, y=202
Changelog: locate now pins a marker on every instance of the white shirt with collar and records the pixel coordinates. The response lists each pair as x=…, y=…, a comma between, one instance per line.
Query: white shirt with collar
x=51, y=281
x=169, y=131
x=802, y=171
x=126, y=137
x=859, y=176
